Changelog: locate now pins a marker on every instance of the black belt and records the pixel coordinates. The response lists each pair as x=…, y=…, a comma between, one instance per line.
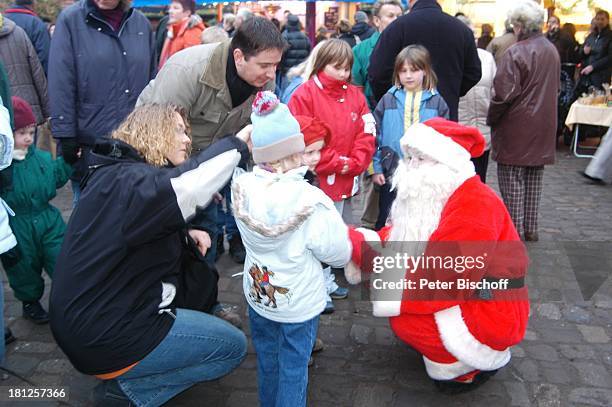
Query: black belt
x=486, y=294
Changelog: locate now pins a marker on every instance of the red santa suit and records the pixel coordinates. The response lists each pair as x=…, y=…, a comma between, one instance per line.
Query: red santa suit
x=458, y=337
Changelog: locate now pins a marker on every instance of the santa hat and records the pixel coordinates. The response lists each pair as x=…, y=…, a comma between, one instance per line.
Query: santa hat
x=447, y=142
x=313, y=130
x=23, y=115
x=276, y=134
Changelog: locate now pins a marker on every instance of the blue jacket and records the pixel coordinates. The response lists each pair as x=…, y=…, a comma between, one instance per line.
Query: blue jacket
x=389, y=116
x=95, y=73
x=35, y=28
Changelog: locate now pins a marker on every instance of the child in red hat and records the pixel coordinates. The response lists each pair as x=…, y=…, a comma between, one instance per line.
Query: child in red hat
x=316, y=136
x=38, y=226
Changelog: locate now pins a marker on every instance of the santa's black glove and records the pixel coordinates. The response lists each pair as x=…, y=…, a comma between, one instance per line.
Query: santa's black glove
x=70, y=150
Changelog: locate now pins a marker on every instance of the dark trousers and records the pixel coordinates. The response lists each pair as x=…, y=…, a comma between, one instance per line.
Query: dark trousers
x=385, y=200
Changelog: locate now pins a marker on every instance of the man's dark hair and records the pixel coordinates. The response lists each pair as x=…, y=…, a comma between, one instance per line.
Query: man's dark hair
x=257, y=34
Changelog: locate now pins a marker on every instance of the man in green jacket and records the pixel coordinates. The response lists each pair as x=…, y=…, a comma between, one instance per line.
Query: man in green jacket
x=384, y=12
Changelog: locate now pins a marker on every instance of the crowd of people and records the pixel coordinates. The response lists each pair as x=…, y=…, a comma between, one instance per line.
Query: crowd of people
x=180, y=140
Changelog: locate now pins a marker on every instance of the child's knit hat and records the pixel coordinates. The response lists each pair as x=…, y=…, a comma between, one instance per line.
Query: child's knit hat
x=313, y=130
x=276, y=134
x=22, y=113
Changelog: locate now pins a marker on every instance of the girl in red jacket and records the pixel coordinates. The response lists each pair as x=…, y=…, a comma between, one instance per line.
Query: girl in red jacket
x=329, y=96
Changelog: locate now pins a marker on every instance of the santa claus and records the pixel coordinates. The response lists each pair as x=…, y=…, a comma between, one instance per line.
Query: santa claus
x=464, y=336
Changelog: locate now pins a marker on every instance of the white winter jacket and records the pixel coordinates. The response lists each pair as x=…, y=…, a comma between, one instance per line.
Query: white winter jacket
x=7, y=239
x=288, y=228
x=474, y=106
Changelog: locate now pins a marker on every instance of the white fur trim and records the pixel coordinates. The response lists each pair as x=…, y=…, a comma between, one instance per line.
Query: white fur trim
x=446, y=371
x=369, y=235
x=460, y=342
x=386, y=308
x=352, y=273
x=435, y=145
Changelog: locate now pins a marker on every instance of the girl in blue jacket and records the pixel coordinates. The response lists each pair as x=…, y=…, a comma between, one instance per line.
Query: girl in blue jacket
x=412, y=99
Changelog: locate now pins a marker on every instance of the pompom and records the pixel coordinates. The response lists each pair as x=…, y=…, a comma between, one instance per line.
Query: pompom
x=264, y=103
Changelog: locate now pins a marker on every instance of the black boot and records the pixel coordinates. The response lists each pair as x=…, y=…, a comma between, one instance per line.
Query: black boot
x=450, y=387
x=35, y=312
x=236, y=249
x=8, y=336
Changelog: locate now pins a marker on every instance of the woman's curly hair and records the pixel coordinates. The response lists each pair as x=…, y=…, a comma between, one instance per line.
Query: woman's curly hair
x=151, y=130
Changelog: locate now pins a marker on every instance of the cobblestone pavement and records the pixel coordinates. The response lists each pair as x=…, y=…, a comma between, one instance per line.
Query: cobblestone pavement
x=565, y=359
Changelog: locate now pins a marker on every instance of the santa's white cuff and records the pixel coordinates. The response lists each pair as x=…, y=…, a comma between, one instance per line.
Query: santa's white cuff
x=386, y=308
x=460, y=342
x=446, y=371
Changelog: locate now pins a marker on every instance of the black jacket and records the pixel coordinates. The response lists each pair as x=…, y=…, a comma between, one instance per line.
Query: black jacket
x=360, y=30
x=299, y=45
x=600, y=57
x=123, y=240
x=449, y=41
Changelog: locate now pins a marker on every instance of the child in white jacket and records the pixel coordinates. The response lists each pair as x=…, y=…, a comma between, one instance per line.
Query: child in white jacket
x=288, y=228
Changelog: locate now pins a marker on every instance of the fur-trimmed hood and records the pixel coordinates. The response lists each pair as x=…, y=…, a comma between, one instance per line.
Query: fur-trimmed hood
x=272, y=205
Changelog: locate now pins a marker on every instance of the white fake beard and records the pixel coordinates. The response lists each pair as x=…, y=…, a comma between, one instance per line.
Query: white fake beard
x=422, y=193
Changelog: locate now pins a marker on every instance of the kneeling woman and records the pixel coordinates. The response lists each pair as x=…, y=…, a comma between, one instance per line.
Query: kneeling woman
x=111, y=309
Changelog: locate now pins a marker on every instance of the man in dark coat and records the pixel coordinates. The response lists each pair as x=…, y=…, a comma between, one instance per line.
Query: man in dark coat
x=299, y=44
x=597, y=52
x=362, y=29
x=22, y=13
x=102, y=56
x=449, y=41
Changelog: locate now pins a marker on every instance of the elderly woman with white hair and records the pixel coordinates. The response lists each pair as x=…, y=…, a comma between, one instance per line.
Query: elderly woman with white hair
x=523, y=116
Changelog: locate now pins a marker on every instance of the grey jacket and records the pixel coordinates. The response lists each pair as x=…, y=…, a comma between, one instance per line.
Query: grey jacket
x=194, y=79
x=24, y=70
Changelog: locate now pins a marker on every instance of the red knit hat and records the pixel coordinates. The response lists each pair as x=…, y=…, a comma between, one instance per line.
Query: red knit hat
x=22, y=113
x=443, y=140
x=313, y=130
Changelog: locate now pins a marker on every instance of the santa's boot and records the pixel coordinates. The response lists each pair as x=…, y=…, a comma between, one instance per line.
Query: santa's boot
x=465, y=383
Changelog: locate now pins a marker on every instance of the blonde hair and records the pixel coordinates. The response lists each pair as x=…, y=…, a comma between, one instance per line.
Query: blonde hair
x=333, y=52
x=151, y=130
x=417, y=57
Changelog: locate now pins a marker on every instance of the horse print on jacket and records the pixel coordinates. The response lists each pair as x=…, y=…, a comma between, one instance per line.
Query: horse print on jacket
x=262, y=287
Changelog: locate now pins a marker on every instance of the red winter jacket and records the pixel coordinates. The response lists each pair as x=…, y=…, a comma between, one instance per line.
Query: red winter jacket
x=343, y=108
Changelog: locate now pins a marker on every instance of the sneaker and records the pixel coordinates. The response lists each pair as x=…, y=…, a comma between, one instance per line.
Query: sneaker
x=318, y=345
x=9, y=338
x=531, y=236
x=109, y=394
x=340, y=294
x=329, y=308
x=35, y=312
x=227, y=313
x=236, y=249
x=220, y=247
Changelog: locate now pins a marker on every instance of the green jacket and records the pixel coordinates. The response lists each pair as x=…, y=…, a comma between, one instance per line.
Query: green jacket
x=361, y=53
x=194, y=79
x=35, y=180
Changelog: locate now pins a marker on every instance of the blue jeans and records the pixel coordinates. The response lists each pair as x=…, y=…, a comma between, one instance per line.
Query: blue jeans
x=198, y=348
x=225, y=218
x=283, y=351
